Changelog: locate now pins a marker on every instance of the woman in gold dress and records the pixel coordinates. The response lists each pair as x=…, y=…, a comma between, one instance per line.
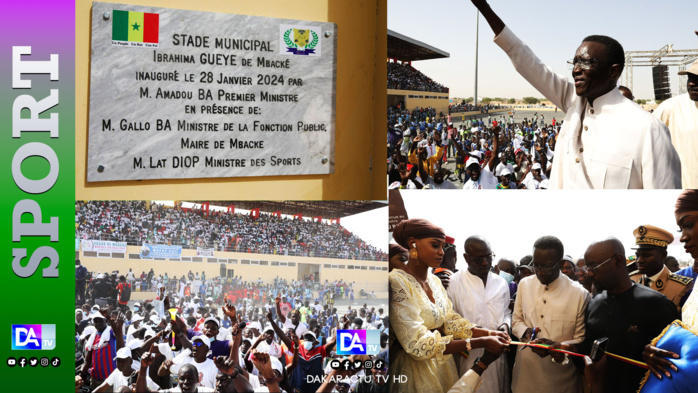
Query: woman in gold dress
x=424, y=329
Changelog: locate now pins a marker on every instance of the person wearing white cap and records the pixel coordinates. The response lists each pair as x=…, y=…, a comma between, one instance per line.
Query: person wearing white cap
x=256, y=328
x=503, y=164
x=188, y=377
x=680, y=114
x=265, y=343
x=481, y=178
x=133, y=327
x=406, y=138
x=245, y=346
x=155, y=320
x=124, y=375
x=198, y=357
x=505, y=182
x=211, y=329
x=534, y=178
x=101, y=346
x=276, y=367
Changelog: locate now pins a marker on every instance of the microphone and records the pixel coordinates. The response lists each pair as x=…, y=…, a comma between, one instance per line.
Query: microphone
x=241, y=326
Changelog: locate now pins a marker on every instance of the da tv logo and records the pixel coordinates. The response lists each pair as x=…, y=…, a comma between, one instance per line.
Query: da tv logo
x=358, y=342
x=34, y=337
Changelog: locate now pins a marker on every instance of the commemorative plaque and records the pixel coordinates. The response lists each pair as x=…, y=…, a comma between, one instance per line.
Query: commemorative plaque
x=190, y=94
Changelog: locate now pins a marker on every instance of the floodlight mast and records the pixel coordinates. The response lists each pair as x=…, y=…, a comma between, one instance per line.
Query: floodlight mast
x=477, y=36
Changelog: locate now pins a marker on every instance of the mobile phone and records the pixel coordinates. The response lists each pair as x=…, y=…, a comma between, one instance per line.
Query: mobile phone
x=598, y=349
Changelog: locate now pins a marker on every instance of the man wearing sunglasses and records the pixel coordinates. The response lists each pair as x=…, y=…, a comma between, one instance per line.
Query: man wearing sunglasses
x=629, y=314
x=606, y=141
x=554, y=304
x=205, y=367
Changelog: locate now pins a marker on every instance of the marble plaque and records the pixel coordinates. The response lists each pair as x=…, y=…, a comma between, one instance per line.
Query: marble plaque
x=189, y=94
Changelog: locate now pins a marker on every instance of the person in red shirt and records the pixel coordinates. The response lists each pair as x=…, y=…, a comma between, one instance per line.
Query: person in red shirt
x=101, y=347
x=124, y=290
x=284, y=306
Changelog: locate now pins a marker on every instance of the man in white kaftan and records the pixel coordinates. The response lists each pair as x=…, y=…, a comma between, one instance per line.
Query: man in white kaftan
x=482, y=297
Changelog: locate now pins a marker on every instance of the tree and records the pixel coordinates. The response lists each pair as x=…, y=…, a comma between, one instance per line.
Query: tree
x=468, y=100
x=512, y=101
x=486, y=100
x=641, y=102
x=531, y=100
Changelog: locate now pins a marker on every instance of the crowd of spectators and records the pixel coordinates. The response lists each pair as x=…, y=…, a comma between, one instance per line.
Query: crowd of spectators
x=231, y=334
x=490, y=152
x=467, y=107
x=217, y=288
x=405, y=77
x=135, y=223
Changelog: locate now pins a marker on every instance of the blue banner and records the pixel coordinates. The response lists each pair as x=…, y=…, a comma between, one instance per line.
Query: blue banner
x=160, y=251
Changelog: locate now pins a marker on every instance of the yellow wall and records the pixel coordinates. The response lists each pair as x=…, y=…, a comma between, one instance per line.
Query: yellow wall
x=441, y=103
x=360, y=117
x=373, y=279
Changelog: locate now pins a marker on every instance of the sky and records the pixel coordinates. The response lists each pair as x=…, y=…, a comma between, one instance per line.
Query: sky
x=552, y=29
x=577, y=218
x=368, y=226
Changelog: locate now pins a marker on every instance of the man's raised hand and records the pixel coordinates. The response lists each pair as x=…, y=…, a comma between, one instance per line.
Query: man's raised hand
x=229, y=310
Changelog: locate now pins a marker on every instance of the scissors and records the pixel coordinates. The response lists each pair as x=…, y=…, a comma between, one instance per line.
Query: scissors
x=535, y=332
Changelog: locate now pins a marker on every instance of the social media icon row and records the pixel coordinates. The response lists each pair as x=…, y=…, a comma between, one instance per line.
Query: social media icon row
x=33, y=362
x=346, y=364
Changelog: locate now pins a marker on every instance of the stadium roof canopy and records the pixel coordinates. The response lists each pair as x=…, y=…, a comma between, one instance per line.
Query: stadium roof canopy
x=326, y=209
x=408, y=49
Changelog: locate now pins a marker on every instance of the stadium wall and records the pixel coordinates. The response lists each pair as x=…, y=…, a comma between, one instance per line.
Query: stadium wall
x=371, y=275
x=414, y=99
x=360, y=108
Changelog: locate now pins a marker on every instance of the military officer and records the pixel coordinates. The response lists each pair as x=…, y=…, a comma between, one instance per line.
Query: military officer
x=652, y=243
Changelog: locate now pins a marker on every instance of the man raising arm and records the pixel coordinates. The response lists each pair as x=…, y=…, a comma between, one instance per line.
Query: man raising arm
x=606, y=141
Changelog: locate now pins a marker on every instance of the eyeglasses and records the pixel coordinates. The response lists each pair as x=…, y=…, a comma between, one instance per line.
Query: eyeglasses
x=487, y=258
x=584, y=64
x=589, y=269
x=544, y=269
x=197, y=343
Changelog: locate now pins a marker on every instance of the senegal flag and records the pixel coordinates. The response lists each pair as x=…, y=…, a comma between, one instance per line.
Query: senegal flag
x=135, y=26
